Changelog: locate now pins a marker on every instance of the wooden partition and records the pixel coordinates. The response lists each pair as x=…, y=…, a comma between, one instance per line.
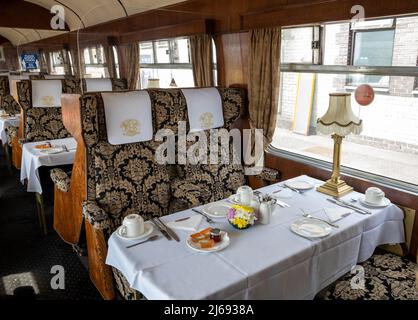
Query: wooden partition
x=16, y=147
x=68, y=218
x=67, y=205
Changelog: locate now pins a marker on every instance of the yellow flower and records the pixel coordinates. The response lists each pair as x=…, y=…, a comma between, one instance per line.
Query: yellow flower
x=243, y=208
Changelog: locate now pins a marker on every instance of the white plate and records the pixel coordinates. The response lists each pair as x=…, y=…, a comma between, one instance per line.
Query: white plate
x=310, y=228
x=218, y=247
x=385, y=202
x=299, y=185
x=217, y=210
x=52, y=150
x=148, y=228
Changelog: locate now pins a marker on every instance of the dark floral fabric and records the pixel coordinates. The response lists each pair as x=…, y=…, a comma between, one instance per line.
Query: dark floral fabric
x=387, y=277
x=4, y=86
x=44, y=124
x=119, y=84
x=60, y=179
x=10, y=105
x=11, y=133
x=269, y=174
x=124, y=288
x=96, y=216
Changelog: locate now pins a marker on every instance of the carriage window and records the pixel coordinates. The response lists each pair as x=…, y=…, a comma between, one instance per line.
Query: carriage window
x=370, y=53
x=57, y=62
x=95, y=62
x=166, y=63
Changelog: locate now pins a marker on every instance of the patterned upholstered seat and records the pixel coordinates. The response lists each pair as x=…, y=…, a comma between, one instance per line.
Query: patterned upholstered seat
x=125, y=179
x=387, y=277
x=58, y=176
x=42, y=124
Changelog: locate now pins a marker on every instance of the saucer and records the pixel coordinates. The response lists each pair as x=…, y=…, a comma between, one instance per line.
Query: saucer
x=385, y=202
x=217, y=210
x=148, y=228
x=231, y=199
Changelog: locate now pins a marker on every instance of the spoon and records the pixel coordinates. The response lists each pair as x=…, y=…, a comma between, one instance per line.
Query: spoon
x=153, y=238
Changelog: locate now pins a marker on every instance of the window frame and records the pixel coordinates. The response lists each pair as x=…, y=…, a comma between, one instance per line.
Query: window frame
x=171, y=64
x=406, y=71
x=91, y=56
x=55, y=65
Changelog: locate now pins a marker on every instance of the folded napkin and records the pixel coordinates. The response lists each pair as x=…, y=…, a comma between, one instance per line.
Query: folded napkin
x=191, y=224
x=335, y=214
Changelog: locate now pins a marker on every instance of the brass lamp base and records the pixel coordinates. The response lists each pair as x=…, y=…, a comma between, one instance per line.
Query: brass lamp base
x=335, y=189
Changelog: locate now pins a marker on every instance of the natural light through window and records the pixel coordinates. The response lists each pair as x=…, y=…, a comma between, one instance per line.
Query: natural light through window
x=388, y=145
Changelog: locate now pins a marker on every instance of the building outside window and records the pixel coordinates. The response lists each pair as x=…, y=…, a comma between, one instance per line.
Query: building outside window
x=95, y=62
x=382, y=53
x=169, y=62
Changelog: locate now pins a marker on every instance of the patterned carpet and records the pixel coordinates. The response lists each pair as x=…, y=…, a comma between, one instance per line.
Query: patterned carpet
x=26, y=256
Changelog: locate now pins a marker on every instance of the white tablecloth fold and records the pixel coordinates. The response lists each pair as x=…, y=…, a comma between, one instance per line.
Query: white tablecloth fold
x=263, y=262
x=33, y=158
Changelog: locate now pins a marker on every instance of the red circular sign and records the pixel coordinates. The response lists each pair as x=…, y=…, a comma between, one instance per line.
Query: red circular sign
x=364, y=95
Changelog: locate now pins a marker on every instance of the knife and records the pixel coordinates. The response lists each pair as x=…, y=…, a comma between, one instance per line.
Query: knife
x=165, y=234
x=346, y=206
x=353, y=206
x=168, y=230
x=293, y=189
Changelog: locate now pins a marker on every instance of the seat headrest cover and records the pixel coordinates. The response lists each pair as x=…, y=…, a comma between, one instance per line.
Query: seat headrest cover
x=46, y=93
x=204, y=107
x=128, y=117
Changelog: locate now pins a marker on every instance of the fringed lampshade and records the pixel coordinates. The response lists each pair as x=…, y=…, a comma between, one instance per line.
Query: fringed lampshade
x=340, y=121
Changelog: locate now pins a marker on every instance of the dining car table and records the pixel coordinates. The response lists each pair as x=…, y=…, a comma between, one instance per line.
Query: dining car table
x=62, y=153
x=262, y=262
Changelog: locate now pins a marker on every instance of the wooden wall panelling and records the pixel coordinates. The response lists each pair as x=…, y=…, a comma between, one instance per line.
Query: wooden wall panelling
x=291, y=169
x=296, y=13
x=68, y=216
x=16, y=147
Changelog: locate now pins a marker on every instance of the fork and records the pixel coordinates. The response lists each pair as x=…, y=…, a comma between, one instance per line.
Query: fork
x=209, y=220
x=307, y=215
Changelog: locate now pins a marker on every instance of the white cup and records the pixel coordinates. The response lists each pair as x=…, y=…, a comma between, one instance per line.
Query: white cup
x=374, y=196
x=132, y=226
x=244, y=195
x=2, y=112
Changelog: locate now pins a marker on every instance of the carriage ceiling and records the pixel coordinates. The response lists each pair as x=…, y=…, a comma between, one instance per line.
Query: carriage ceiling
x=25, y=21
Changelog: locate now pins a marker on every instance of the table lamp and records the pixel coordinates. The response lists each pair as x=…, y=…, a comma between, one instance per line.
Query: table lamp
x=339, y=121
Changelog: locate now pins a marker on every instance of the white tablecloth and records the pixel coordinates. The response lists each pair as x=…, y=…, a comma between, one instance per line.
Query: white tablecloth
x=263, y=262
x=6, y=123
x=33, y=158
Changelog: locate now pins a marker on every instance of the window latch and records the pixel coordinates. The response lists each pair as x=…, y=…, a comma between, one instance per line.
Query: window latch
x=315, y=44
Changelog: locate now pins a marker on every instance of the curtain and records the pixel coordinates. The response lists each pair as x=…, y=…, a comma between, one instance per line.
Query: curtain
x=48, y=62
x=76, y=63
x=66, y=62
x=264, y=74
x=132, y=65
x=110, y=61
x=202, y=60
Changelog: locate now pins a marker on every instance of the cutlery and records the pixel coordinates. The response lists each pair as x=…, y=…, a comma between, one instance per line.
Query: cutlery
x=293, y=189
x=276, y=201
x=64, y=147
x=277, y=191
x=153, y=238
x=165, y=233
x=345, y=206
x=168, y=230
x=306, y=215
x=184, y=219
x=209, y=220
x=353, y=206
